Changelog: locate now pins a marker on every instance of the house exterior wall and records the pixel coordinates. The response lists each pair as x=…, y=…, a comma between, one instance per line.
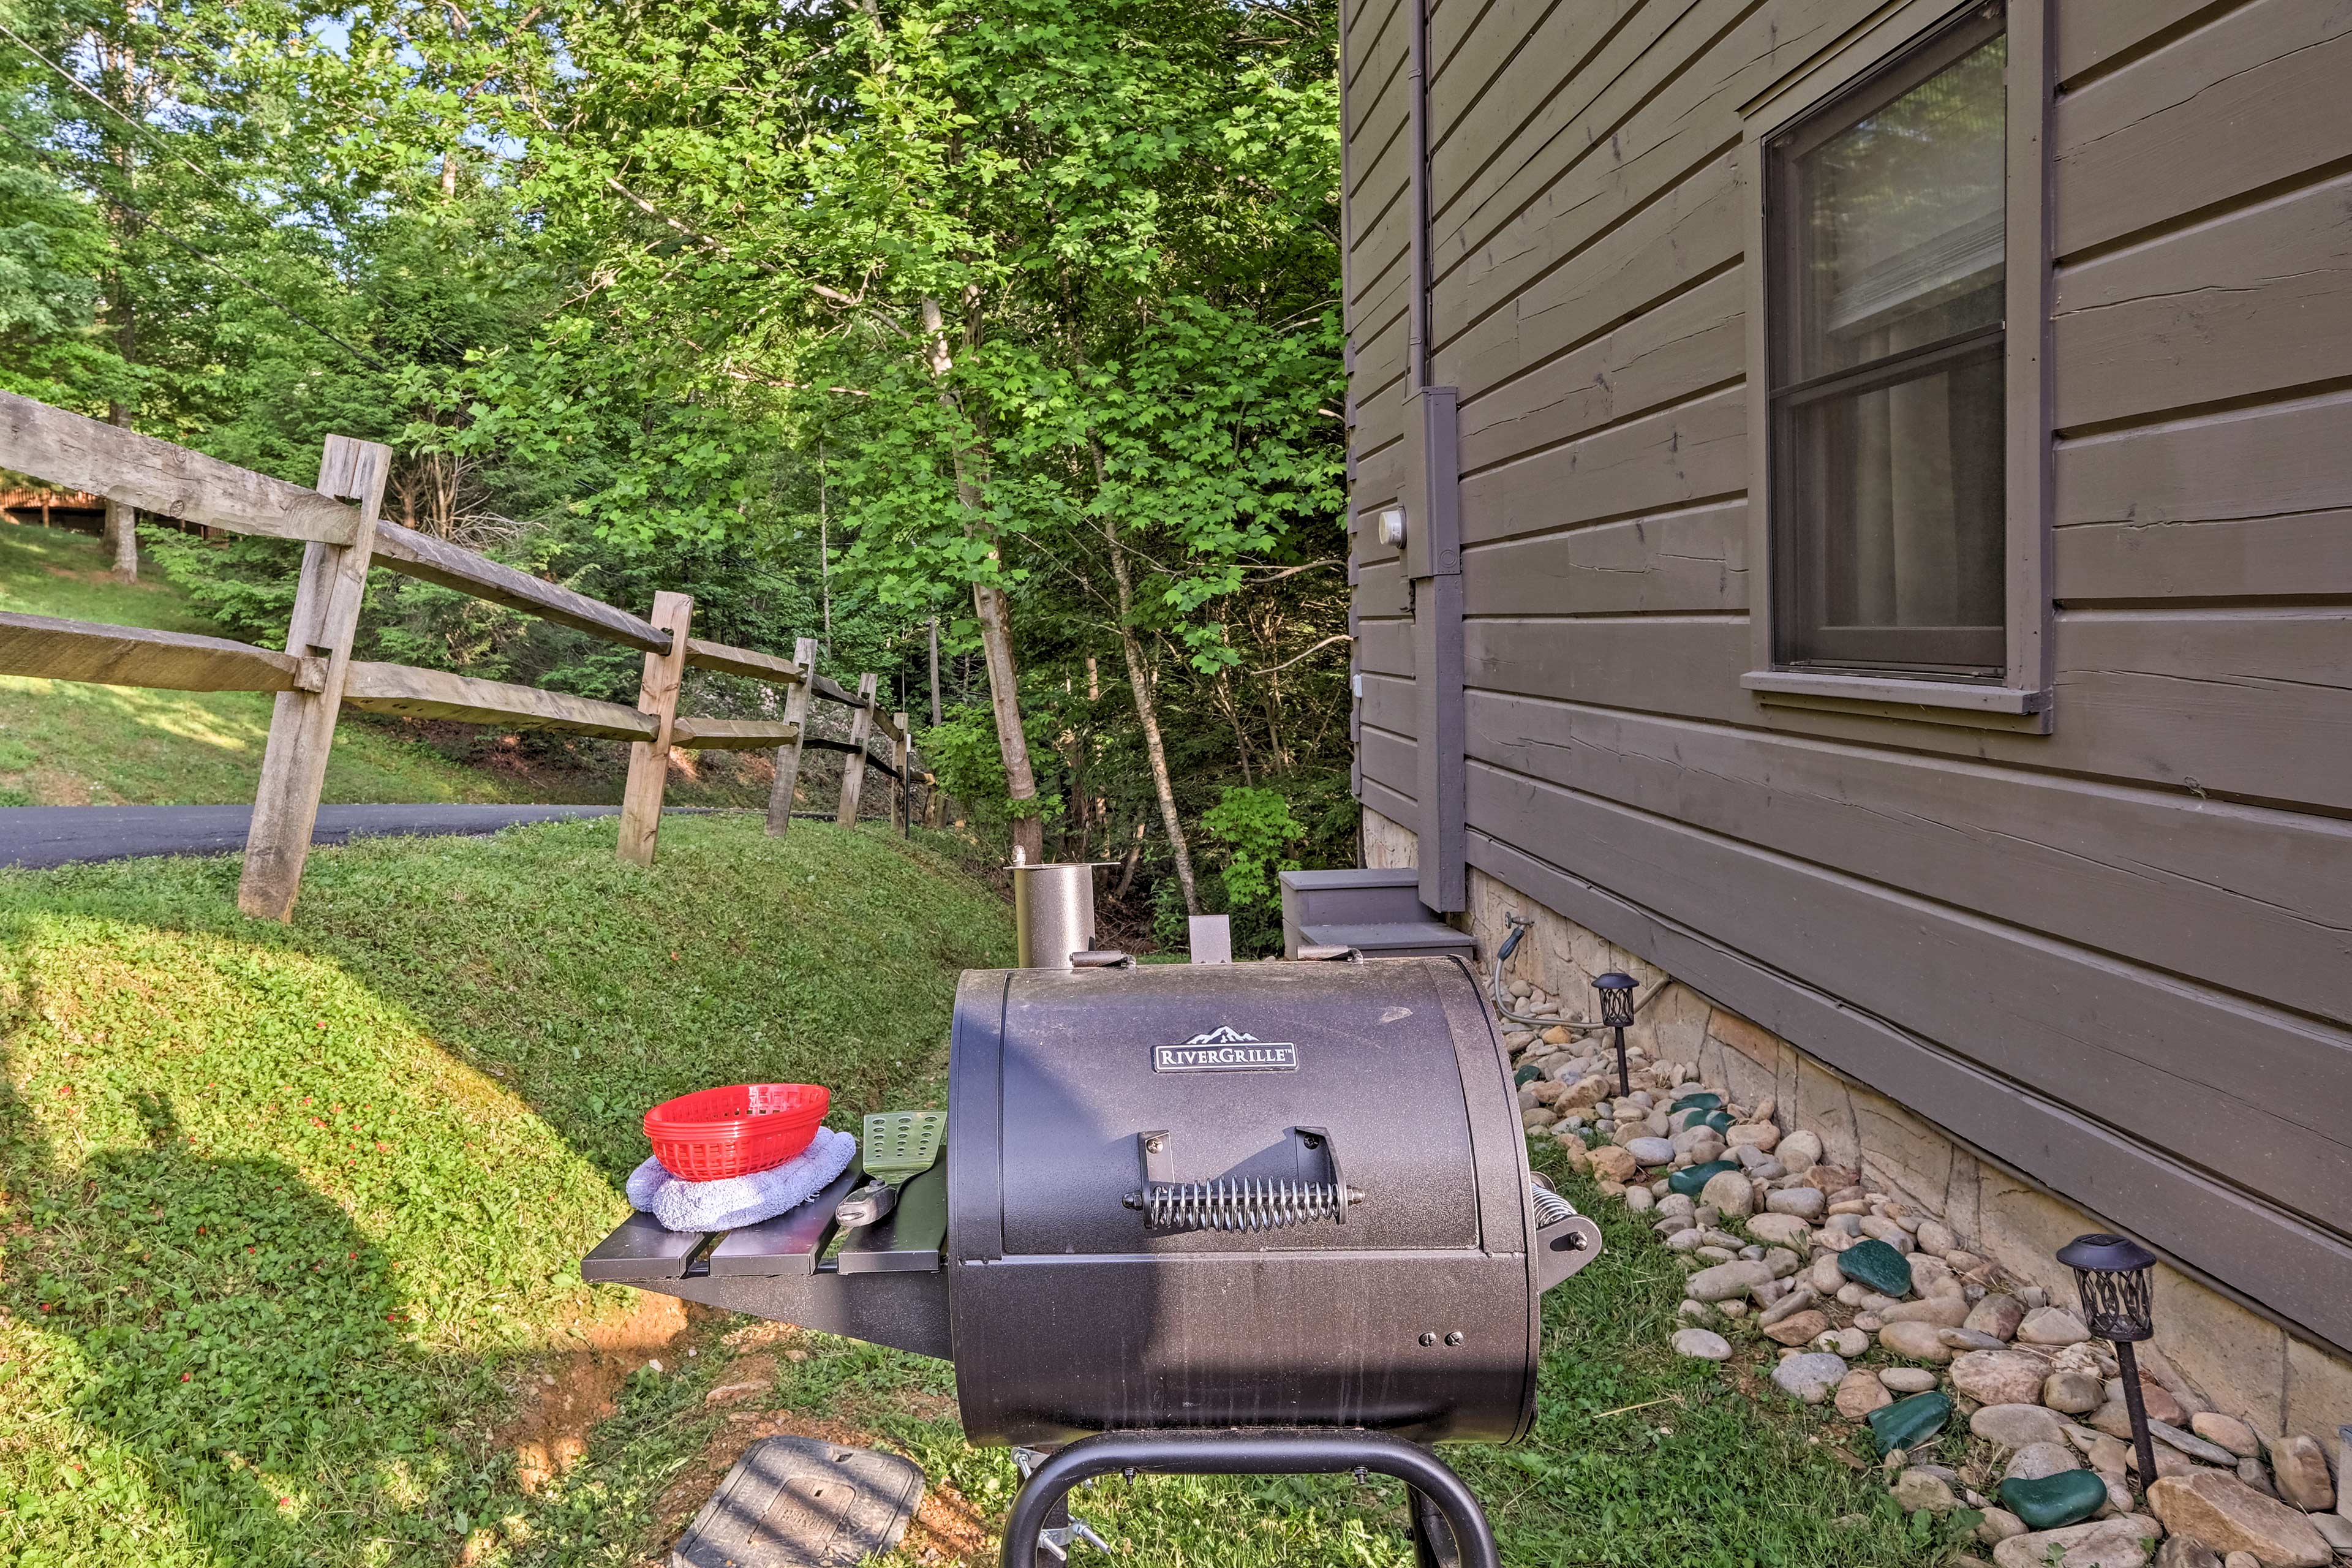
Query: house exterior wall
x=2242, y=1362
x=2114, y=959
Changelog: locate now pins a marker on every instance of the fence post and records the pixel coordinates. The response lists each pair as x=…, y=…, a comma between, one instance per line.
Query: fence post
x=902, y=788
x=327, y=599
x=853, y=775
x=788, y=755
x=641, y=803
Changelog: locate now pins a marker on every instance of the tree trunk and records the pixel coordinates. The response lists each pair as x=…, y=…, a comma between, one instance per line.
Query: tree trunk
x=995, y=613
x=122, y=517
x=1147, y=710
x=1004, y=698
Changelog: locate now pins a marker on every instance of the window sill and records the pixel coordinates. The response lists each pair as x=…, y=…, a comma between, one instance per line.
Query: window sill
x=1894, y=697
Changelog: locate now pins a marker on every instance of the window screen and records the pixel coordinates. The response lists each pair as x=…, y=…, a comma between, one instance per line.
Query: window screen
x=1885, y=213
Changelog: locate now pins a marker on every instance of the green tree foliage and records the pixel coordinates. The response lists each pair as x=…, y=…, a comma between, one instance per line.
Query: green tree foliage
x=845, y=318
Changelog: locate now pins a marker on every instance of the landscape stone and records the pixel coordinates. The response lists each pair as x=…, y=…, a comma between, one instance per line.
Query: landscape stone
x=2228, y=1431
x=1799, y=1328
x=1943, y=1312
x=1935, y=1237
x=2299, y=1467
x=2036, y=1461
x=1848, y=1342
x=1907, y=1422
x=1730, y=1193
x=2336, y=1529
x=1810, y=1376
x=1694, y=1180
x=2106, y=1543
x=2228, y=1515
x=2017, y=1426
x=1877, y=1266
x=1651, y=1151
x=1997, y=1525
x=1728, y=1281
x=2197, y=1447
x=1800, y=1151
x=2062, y=1498
x=1639, y=1199
x=1859, y=1393
x=1999, y=1377
x=1830, y=1179
x=2242, y=1560
x=2180, y=1552
x=1701, y=1344
x=2076, y=1393
x=2051, y=1326
x=1969, y=1340
x=1613, y=1163
x=1914, y=1341
x=1781, y=1229
x=1802, y=1203
x=1878, y=1227
x=1698, y=1099
x=1824, y=1277
x=1908, y=1379
x=1933, y=1277
x=1916, y=1489
x=1686, y=1239
x=1788, y=1306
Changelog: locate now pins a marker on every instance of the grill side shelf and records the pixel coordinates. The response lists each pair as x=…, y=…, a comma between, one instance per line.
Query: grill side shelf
x=792, y=1242
x=641, y=1249
x=906, y=1240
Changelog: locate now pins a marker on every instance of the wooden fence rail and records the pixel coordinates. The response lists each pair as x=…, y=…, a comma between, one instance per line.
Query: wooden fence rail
x=315, y=676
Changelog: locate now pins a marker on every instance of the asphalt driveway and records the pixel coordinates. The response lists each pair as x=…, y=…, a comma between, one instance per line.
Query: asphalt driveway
x=41, y=836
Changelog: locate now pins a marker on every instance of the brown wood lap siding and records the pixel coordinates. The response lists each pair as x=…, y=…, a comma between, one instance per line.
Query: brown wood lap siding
x=2118, y=957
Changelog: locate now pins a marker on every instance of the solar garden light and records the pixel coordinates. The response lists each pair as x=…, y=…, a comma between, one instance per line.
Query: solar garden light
x=1616, y=1012
x=2112, y=1276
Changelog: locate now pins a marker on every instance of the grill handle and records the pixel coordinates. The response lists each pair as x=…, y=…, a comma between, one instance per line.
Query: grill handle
x=1565, y=1240
x=1246, y=1452
x=1244, y=1203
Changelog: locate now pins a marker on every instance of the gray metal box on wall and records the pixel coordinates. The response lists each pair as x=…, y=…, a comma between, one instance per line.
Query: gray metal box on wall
x=1378, y=911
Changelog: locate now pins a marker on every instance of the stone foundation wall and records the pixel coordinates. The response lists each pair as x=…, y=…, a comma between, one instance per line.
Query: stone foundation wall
x=2242, y=1362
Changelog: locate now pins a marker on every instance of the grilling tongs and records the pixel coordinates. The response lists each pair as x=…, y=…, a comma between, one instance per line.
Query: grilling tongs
x=899, y=1144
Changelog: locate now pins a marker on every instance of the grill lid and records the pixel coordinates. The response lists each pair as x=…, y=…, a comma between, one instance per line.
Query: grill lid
x=1211, y=1108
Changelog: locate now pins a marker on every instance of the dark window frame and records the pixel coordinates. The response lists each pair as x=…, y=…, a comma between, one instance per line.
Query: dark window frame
x=1974, y=682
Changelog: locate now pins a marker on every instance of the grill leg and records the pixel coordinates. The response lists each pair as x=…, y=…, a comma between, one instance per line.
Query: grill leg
x=1433, y=1537
x=1450, y=1529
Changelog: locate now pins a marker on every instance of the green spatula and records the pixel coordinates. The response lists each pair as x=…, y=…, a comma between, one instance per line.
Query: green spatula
x=897, y=1144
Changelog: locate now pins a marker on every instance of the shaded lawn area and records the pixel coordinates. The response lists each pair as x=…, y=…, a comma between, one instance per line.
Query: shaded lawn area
x=293, y=1217
x=289, y=1212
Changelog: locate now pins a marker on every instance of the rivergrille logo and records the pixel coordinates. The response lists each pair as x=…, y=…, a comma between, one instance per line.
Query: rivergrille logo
x=1226, y=1050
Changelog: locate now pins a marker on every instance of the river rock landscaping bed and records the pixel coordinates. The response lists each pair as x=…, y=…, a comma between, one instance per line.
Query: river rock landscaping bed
x=1846, y=1297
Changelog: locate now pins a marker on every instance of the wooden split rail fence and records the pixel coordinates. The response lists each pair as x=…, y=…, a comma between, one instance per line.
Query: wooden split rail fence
x=317, y=676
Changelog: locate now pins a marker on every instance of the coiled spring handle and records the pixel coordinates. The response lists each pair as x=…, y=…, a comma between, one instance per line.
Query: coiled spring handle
x=1242, y=1205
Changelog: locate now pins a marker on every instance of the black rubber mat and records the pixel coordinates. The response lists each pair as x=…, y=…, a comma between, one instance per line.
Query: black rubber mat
x=796, y=1503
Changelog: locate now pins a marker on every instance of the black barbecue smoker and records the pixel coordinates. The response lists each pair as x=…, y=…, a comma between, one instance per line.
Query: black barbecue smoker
x=1266, y=1218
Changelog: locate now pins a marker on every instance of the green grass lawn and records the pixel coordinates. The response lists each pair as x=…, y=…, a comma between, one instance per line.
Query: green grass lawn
x=63, y=743
x=292, y=1216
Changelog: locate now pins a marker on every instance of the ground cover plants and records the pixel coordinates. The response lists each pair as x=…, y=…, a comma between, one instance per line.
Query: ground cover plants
x=415, y=1108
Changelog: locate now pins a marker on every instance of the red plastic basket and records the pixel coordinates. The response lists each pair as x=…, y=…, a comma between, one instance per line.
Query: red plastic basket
x=714, y=1133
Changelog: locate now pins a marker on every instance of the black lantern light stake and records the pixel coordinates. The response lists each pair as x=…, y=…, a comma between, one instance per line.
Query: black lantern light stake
x=2112, y=1275
x=1617, y=1011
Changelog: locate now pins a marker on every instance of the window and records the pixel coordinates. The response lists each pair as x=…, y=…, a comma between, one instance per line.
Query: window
x=1886, y=214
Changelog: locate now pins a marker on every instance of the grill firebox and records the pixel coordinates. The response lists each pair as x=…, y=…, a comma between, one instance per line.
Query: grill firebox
x=1194, y=1205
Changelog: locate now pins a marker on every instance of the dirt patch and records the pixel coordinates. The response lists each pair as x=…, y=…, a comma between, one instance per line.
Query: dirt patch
x=946, y=1529
x=572, y=1390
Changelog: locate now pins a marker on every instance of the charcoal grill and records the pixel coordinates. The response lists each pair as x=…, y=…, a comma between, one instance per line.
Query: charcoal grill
x=1218, y=1218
